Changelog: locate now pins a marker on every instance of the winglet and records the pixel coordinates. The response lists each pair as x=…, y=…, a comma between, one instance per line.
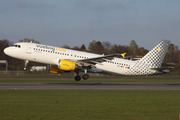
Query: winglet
x=123, y=55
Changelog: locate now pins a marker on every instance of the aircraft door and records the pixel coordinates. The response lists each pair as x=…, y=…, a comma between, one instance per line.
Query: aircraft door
x=28, y=49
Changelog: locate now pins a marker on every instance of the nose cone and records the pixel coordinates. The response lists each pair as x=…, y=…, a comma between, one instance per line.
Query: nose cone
x=11, y=51
x=7, y=51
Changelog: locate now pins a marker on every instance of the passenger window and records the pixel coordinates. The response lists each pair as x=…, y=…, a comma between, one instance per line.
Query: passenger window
x=19, y=46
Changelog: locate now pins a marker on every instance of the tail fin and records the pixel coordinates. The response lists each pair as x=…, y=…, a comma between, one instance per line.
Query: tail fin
x=154, y=58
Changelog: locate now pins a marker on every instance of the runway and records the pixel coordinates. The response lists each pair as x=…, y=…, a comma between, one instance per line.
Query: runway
x=92, y=86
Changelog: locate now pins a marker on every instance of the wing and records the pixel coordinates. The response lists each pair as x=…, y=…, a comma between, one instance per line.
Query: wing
x=99, y=60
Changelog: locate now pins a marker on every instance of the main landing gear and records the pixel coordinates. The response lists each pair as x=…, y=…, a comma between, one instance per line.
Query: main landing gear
x=85, y=76
x=78, y=78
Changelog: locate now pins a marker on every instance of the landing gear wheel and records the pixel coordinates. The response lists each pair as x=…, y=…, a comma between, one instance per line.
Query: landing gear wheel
x=24, y=68
x=85, y=76
x=77, y=78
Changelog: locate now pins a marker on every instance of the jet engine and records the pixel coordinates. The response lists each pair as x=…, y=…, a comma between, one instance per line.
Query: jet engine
x=66, y=65
x=63, y=66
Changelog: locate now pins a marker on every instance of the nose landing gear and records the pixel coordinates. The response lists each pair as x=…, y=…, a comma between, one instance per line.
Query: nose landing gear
x=26, y=62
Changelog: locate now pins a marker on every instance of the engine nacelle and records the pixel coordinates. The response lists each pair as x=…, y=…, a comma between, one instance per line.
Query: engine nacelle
x=66, y=65
x=54, y=69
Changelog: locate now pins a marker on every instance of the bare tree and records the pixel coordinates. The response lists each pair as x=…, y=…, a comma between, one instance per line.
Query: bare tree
x=29, y=40
x=142, y=51
x=107, y=46
x=66, y=46
x=118, y=49
x=96, y=47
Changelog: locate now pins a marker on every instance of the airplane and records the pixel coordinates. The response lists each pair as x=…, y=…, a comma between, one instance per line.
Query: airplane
x=66, y=60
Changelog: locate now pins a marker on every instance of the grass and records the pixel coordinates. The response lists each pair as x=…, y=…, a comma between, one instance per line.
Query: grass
x=89, y=105
x=67, y=79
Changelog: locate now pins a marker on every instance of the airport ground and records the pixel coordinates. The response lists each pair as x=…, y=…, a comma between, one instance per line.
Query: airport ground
x=90, y=103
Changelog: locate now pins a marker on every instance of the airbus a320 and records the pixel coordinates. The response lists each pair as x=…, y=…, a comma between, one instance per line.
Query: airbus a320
x=65, y=60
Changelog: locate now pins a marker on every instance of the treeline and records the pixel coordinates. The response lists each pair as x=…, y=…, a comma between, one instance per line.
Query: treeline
x=133, y=50
x=107, y=48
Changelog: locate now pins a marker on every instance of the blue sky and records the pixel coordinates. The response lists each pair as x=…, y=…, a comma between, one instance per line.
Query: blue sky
x=77, y=22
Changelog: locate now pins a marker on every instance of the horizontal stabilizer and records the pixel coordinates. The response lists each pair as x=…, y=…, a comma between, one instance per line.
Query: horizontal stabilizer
x=162, y=69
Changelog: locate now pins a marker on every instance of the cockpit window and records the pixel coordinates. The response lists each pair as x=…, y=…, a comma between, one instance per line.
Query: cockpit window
x=16, y=46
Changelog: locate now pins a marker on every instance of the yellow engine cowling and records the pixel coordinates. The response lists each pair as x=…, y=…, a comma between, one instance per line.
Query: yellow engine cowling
x=63, y=65
x=66, y=65
x=54, y=69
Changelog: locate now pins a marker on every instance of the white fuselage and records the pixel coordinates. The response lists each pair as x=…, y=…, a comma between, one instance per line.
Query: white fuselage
x=50, y=55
